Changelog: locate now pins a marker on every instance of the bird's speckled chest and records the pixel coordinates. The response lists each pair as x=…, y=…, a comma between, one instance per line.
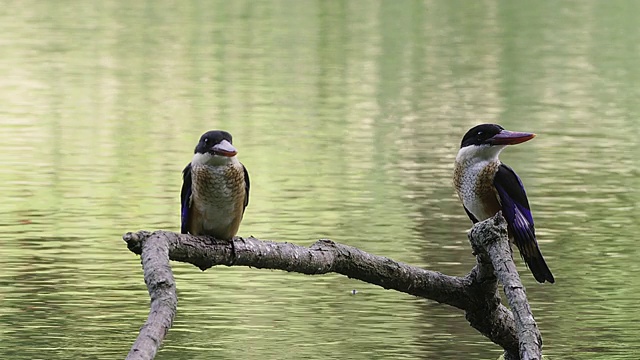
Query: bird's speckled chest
x=213, y=184
x=217, y=199
x=473, y=182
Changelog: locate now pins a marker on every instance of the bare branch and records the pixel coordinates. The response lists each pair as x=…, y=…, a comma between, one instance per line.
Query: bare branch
x=162, y=290
x=475, y=293
x=323, y=257
x=488, y=240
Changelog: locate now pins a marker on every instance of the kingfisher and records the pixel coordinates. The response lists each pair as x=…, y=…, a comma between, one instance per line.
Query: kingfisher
x=485, y=186
x=215, y=188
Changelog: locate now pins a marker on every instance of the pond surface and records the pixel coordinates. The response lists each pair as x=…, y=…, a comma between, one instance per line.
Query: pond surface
x=348, y=115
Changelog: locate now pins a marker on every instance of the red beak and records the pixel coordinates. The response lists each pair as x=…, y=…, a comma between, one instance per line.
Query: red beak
x=224, y=148
x=506, y=137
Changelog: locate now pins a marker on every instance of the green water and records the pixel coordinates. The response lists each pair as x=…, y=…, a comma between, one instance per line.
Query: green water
x=348, y=115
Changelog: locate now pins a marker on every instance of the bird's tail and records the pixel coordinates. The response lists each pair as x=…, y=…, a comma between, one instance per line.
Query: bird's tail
x=538, y=266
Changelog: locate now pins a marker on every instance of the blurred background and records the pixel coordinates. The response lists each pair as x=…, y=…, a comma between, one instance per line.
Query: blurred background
x=348, y=116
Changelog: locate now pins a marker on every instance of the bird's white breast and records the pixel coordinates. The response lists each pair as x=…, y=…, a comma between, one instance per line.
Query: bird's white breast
x=473, y=180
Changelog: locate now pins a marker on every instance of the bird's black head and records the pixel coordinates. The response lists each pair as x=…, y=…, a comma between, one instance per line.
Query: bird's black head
x=216, y=142
x=493, y=134
x=480, y=134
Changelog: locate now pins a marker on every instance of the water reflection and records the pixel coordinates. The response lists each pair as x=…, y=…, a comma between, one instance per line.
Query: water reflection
x=348, y=115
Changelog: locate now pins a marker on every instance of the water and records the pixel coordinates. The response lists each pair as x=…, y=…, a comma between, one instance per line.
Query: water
x=348, y=115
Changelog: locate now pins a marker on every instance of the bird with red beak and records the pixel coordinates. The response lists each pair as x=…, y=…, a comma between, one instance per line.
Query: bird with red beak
x=215, y=188
x=485, y=186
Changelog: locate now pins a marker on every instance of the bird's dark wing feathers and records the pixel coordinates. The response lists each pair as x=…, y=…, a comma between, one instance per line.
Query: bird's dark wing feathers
x=247, y=185
x=185, y=198
x=470, y=215
x=515, y=209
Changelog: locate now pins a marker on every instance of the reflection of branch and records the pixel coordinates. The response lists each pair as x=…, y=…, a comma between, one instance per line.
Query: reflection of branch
x=475, y=293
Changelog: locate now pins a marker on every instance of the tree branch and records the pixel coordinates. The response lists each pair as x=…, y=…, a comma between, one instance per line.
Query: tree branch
x=487, y=239
x=162, y=290
x=475, y=293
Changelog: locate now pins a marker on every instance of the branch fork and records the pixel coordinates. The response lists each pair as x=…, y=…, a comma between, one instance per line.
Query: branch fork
x=476, y=293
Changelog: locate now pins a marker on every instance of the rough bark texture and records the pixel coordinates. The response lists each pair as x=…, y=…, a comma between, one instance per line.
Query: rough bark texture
x=162, y=290
x=476, y=294
x=488, y=240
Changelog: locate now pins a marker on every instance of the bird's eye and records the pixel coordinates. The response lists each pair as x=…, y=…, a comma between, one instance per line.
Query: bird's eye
x=480, y=133
x=206, y=140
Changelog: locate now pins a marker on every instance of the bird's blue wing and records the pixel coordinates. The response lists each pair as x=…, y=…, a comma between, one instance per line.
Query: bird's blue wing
x=185, y=198
x=515, y=208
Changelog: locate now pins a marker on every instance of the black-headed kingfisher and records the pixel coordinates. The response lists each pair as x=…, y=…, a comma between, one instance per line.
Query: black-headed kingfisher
x=485, y=186
x=215, y=188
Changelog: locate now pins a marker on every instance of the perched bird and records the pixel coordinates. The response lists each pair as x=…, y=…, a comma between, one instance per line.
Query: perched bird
x=215, y=188
x=485, y=186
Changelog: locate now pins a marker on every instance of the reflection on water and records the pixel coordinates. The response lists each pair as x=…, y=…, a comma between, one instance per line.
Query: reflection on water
x=348, y=116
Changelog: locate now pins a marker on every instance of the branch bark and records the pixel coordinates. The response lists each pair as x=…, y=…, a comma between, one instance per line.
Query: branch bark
x=162, y=290
x=487, y=239
x=476, y=293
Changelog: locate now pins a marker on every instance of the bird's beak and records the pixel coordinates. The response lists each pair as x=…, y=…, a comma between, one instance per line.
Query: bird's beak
x=224, y=148
x=506, y=137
